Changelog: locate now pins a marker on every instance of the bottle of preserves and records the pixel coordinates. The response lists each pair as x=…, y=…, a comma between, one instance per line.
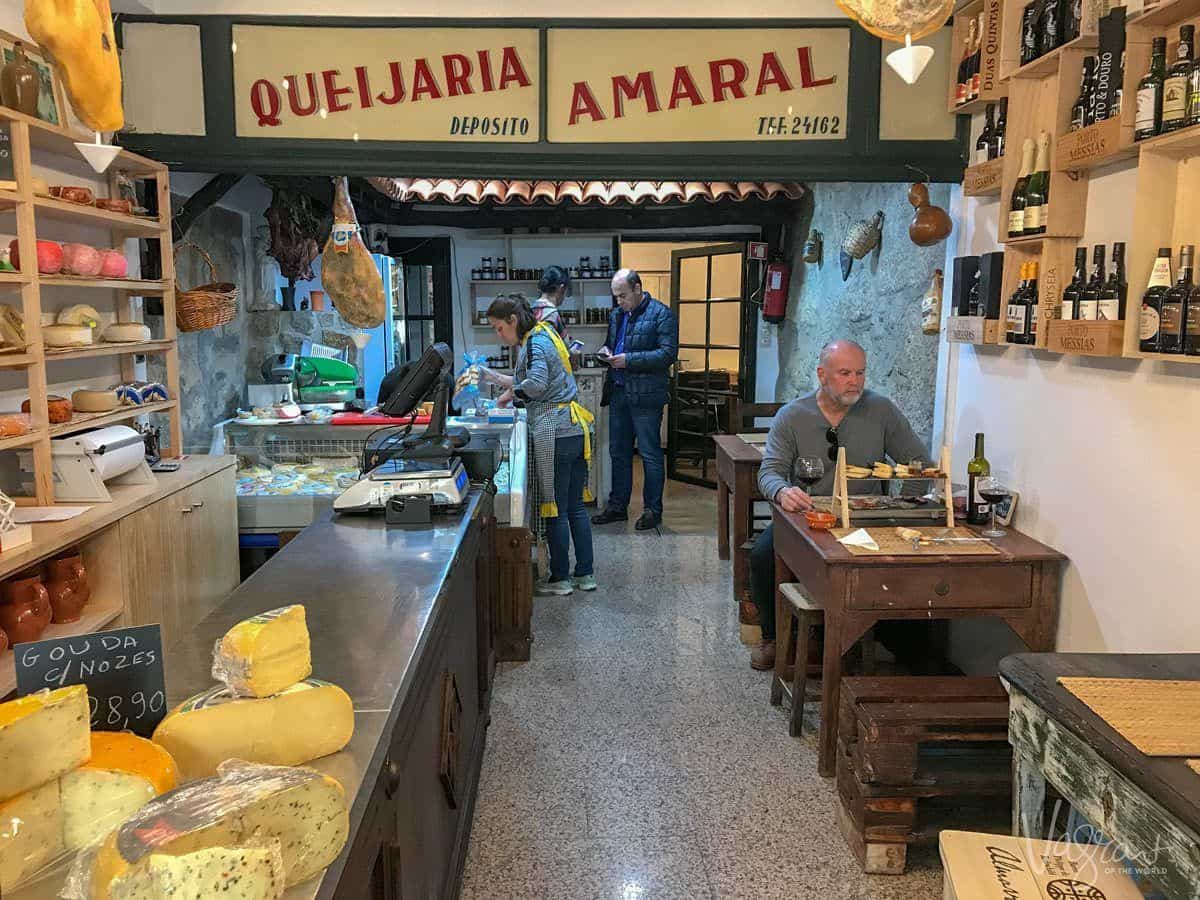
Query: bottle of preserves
x=1014, y=319
x=1070, y=298
x=1016, y=208
x=1079, y=112
x=997, y=148
x=1030, y=307
x=978, y=509
x=983, y=144
x=1089, y=300
x=1112, y=296
x=1148, y=122
x=1175, y=85
x=1170, y=328
x=1150, y=318
x=1037, y=190
x=1029, y=33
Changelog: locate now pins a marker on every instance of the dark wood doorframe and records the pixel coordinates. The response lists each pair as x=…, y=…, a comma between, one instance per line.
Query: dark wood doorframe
x=706, y=392
x=435, y=252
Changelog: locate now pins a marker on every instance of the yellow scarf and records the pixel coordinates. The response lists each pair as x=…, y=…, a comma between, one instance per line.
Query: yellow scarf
x=579, y=416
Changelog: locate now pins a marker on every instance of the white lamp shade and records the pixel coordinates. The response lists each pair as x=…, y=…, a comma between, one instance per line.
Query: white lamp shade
x=909, y=61
x=360, y=339
x=99, y=156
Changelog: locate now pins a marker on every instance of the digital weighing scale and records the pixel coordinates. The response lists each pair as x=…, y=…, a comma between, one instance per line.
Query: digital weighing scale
x=442, y=478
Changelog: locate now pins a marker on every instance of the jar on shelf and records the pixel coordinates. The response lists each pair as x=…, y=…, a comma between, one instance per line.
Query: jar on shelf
x=605, y=267
x=475, y=274
x=585, y=267
x=485, y=269
x=500, y=273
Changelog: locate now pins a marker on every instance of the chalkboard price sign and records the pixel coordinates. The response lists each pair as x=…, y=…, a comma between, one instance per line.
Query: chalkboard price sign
x=122, y=669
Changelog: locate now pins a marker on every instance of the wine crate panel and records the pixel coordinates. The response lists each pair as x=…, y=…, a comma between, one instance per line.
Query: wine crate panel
x=984, y=179
x=1056, y=264
x=972, y=330
x=1086, y=338
x=991, y=88
x=1097, y=145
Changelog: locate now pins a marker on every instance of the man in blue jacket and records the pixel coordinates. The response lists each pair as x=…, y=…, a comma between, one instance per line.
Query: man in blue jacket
x=642, y=342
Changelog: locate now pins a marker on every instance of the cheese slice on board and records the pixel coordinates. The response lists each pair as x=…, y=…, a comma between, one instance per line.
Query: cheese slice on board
x=31, y=834
x=42, y=736
x=264, y=654
x=302, y=809
x=230, y=873
x=124, y=774
x=307, y=720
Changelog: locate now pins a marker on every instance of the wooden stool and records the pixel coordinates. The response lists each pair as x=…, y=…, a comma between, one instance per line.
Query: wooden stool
x=792, y=606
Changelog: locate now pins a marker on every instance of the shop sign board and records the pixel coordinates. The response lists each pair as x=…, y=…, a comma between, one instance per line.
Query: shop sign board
x=387, y=84
x=614, y=85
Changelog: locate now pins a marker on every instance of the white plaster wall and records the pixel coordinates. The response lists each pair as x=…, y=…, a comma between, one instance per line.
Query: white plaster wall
x=1102, y=453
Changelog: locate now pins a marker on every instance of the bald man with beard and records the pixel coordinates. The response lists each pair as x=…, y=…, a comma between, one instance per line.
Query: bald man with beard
x=839, y=413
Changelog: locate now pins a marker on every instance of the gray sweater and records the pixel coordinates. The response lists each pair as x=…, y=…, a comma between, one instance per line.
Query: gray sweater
x=873, y=429
x=541, y=380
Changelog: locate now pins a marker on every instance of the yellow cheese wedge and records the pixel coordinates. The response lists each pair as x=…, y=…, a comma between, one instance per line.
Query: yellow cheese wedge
x=239, y=873
x=302, y=809
x=264, y=654
x=301, y=723
x=42, y=736
x=124, y=774
x=31, y=834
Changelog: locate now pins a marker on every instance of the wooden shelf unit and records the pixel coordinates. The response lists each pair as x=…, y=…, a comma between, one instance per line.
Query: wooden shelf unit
x=991, y=87
x=31, y=138
x=984, y=179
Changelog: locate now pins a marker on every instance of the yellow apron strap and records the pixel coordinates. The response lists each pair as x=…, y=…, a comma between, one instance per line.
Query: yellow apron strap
x=579, y=413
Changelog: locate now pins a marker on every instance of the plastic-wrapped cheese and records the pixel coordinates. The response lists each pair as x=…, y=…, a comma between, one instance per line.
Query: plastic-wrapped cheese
x=301, y=723
x=126, y=332
x=124, y=774
x=264, y=654
x=302, y=809
x=31, y=834
x=42, y=736
x=66, y=335
x=231, y=873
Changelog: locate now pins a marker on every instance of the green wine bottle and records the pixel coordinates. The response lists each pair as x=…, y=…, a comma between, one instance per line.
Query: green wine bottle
x=978, y=509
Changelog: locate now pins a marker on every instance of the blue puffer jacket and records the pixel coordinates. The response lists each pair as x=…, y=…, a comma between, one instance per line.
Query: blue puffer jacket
x=651, y=345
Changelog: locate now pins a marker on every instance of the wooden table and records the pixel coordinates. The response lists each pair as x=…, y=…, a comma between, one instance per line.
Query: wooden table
x=1149, y=806
x=737, y=486
x=1019, y=586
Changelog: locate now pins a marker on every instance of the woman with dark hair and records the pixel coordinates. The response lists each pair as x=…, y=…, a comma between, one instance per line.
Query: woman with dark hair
x=561, y=436
x=554, y=287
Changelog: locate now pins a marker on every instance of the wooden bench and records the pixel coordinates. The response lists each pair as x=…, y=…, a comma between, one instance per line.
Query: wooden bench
x=910, y=747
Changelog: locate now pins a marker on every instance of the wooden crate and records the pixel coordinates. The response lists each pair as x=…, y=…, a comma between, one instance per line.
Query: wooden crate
x=991, y=88
x=1092, y=338
x=984, y=179
x=972, y=330
x=1056, y=264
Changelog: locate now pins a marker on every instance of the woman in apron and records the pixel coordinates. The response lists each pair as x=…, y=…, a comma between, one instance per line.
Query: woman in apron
x=560, y=432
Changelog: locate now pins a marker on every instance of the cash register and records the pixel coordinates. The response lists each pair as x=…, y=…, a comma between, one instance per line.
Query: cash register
x=409, y=475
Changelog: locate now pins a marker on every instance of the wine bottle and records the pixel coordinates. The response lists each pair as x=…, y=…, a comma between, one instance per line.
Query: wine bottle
x=1111, y=307
x=983, y=144
x=1175, y=85
x=1191, y=324
x=1050, y=25
x=978, y=509
x=1193, y=102
x=1037, y=190
x=1030, y=307
x=1170, y=329
x=1016, y=209
x=1014, y=316
x=1150, y=319
x=1118, y=96
x=1029, y=33
x=964, y=73
x=976, y=58
x=974, y=306
x=1089, y=300
x=1150, y=93
x=998, y=131
x=1070, y=298
x=1079, y=112
x=1072, y=19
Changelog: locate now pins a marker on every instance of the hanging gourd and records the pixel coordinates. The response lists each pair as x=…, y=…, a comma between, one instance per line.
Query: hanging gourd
x=930, y=224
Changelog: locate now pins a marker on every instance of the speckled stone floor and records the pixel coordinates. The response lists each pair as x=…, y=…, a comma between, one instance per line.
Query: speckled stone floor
x=636, y=756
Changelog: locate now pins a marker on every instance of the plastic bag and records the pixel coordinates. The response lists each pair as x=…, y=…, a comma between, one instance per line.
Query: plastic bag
x=301, y=810
x=466, y=385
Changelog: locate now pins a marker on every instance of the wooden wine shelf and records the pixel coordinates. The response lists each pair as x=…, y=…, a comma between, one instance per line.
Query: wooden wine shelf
x=111, y=350
x=83, y=421
x=1165, y=357
x=991, y=87
x=1091, y=338
x=1097, y=145
x=94, y=618
x=1166, y=13
x=984, y=179
x=1180, y=144
x=973, y=330
x=1048, y=63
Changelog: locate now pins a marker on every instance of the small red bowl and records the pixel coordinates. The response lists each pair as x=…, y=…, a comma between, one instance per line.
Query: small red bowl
x=820, y=520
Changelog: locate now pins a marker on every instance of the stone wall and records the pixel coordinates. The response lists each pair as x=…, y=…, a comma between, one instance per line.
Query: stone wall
x=879, y=306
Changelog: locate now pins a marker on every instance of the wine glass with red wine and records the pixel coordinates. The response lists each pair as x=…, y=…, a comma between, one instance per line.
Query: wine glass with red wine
x=809, y=470
x=994, y=492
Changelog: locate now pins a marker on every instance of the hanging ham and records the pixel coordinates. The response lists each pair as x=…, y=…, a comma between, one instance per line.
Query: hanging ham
x=348, y=273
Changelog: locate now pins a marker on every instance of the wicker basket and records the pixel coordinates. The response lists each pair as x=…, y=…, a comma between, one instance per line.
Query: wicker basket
x=207, y=305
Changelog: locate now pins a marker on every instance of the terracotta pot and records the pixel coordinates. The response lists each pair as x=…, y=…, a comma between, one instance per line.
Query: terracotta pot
x=316, y=300
x=26, y=611
x=19, y=84
x=67, y=586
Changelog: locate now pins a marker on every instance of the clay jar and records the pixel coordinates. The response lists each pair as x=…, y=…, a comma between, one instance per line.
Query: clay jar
x=25, y=611
x=67, y=586
x=19, y=84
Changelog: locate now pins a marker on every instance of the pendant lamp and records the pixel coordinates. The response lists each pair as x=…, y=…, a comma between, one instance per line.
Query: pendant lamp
x=99, y=156
x=909, y=61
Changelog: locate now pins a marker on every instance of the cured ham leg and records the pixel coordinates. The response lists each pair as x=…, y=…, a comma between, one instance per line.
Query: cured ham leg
x=348, y=274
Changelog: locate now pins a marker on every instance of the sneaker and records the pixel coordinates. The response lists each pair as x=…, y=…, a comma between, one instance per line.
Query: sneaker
x=763, y=657
x=548, y=588
x=584, y=582
x=648, y=520
x=610, y=515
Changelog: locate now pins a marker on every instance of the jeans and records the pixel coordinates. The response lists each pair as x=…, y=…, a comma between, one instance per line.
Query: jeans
x=625, y=423
x=762, y=581
x=572, y=523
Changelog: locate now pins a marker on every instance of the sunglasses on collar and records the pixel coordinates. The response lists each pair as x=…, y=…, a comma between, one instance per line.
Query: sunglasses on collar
x=831, y=436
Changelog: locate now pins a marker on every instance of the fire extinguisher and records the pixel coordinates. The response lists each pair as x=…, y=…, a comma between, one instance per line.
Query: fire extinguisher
x=776, y=293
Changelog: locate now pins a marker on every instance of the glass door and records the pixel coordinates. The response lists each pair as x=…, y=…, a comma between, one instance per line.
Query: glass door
x=708, y=289
x=422, y=299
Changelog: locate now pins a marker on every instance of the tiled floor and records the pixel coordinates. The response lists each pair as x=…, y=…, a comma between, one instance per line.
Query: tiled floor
x=636, y=756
